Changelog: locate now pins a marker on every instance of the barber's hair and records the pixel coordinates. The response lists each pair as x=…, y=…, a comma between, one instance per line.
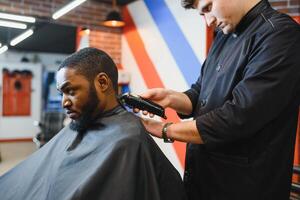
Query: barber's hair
x=89, y=62
x=188, y=4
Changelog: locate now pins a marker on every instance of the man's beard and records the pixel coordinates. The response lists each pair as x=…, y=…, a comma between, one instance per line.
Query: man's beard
x=86, y=118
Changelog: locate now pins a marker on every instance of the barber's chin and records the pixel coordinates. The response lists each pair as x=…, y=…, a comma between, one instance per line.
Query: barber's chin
x=228, y=29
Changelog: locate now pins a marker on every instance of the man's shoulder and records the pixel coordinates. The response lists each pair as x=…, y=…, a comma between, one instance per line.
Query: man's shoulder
x=132, y=132
x=130, y=123
x=129, y=127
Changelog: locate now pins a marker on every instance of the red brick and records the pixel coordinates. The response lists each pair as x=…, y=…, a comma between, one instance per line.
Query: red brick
x=279, y=3
x=294, y=2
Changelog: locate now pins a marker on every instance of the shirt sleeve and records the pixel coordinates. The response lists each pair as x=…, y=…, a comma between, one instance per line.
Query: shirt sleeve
x=270, y=83
x=193, y=94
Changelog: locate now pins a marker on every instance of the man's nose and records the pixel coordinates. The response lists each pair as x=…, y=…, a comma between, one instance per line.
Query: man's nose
x=66, y=102
x=210, y=20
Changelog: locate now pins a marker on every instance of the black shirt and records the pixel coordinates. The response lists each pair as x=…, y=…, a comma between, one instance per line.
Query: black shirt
x=245, y=105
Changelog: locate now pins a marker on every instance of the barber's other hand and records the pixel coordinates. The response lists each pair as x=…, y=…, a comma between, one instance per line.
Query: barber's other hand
x=157, y=95
x=153, y=127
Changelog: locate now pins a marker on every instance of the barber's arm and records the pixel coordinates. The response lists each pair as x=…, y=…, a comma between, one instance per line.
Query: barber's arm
x=183, y=103
x=183, y=131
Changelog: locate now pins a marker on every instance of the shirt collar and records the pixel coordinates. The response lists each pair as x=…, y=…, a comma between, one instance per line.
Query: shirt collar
x=98, y=120
x=250, y=16
x=116, y=110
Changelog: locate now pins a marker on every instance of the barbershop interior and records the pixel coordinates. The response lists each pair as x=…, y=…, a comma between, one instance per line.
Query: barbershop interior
x=154, y=44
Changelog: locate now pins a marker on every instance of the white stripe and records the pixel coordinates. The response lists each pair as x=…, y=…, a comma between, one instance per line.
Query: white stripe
x=156, y=47
x=84, y=41
x=137, y=85
x=192, y=25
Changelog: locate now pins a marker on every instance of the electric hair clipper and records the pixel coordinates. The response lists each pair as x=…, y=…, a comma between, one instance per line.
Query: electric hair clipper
x=135, y=101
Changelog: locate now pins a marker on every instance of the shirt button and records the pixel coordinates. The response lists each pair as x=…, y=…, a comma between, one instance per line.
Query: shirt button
x=203, y=102
x=218, y=68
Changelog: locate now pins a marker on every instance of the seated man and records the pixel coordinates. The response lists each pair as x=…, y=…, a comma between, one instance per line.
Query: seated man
x=104, y=153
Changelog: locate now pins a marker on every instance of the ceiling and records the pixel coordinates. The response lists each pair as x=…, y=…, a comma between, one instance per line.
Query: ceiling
x=48, y=37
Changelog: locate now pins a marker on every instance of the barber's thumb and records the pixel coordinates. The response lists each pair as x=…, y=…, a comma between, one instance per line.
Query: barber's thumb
x=146, y=95
x=149, y=93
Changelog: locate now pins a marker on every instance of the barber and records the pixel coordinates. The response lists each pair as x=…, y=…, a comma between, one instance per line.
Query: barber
x=244, y=105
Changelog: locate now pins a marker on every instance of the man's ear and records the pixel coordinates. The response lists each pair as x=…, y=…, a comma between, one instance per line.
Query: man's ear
x=102, y=81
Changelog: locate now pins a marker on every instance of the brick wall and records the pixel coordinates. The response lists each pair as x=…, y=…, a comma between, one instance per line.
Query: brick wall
x=109, y=41
x=291, y=7
x=90, y=15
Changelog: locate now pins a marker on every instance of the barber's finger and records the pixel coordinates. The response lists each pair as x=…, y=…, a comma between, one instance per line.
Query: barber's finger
x=145, y=112
x=148, y=94
x=151, y=115
x=145, y=94
x=136, y=110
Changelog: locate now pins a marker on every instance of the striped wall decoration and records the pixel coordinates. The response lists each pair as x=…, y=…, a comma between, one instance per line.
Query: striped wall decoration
x=163, y=45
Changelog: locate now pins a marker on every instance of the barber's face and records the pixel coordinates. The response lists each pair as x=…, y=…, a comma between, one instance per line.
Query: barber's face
x=223, y=14
x=79, y=98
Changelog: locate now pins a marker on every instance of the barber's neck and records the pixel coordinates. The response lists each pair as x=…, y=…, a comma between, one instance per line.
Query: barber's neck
x=249, y=4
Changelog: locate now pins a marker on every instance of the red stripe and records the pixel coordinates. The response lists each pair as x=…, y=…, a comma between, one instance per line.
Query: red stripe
x=78, y=37
x=296, y=178
x=209, y=38
x=148, y=70
x=297, y=145
x=137, y=47
x=119, y=66
x=297, y=19
x=16, y=140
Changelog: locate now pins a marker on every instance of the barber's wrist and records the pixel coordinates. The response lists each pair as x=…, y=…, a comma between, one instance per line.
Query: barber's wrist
x=170, y=97
x=166, y=133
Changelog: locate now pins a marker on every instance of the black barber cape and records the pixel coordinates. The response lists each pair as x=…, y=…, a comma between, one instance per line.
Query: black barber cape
x=116, y=161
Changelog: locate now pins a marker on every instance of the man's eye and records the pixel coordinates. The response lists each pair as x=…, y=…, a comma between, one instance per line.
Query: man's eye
x=71, y=92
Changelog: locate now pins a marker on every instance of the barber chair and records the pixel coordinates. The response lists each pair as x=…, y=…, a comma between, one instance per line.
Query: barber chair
x=50, y=124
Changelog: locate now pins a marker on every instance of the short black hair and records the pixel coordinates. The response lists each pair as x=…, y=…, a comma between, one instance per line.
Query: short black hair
x=89, y=62
x=188, y=4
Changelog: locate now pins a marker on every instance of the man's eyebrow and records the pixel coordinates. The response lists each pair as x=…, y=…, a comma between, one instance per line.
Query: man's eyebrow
x=205, y=7
x=64, y=85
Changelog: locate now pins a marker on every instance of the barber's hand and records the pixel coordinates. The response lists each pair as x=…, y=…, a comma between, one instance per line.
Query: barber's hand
x=157, y=95
x=154, y=127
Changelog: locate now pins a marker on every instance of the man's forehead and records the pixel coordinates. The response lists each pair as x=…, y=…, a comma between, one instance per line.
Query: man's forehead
x=70, y=75
x=64, y=75
x=67, y=73
x=61, y=74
